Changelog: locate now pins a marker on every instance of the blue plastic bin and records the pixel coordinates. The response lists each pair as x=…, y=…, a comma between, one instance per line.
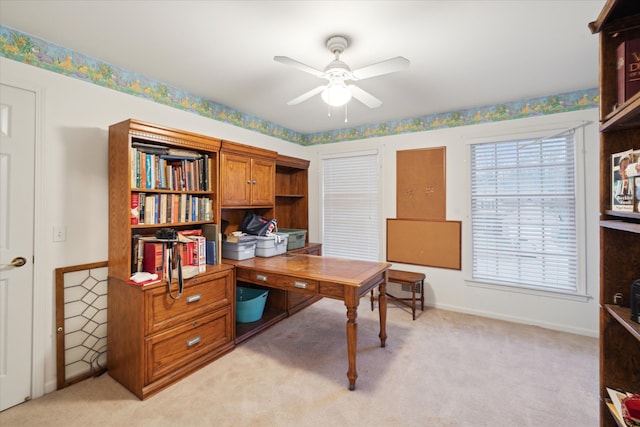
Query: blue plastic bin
x=250, y=304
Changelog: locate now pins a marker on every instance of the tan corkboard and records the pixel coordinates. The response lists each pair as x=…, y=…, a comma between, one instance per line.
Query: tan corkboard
x=424, y=242
x=421, y=188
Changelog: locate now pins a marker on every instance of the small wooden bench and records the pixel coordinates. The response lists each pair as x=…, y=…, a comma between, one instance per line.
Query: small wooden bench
x=414, y=280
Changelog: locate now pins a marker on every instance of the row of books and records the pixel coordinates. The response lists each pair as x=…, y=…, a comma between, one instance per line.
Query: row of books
x=153, y=257
x=168, y=208
x=625, y=181
x=169, y=168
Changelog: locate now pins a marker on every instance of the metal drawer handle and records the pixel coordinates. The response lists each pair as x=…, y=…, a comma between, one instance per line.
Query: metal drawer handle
x=301, y=285
x=261, y=277
x=193, y=298
x=193, y=341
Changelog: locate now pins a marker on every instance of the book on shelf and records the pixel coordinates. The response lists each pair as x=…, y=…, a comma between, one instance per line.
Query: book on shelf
x=135, y=213
x=211, y=235
x=143, y=283
x=625, y=175
x=149, y=148
x=154, y=254
x=141, y=205
x=212, y=258
x=183, y=152
x=200, y=253
x=137, y=253
x=628, y=68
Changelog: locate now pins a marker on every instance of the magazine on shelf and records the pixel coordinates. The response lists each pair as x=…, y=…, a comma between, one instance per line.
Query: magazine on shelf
x=625, y=169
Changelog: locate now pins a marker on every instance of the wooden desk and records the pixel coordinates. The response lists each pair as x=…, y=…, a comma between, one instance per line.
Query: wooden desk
x=338, y=278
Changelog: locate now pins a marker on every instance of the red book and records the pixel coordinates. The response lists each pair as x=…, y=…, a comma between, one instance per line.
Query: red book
x=186, y=253
x=628, y=64
x=145, y=283
x=135, y=212
x=153, y=254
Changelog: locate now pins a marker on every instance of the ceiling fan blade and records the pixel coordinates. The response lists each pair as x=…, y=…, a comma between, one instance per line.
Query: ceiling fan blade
x=365, y=97
x=307, y=95
x=299, y=65
x=392, y=65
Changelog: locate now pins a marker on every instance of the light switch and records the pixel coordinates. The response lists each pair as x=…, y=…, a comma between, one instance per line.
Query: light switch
x=59, y=233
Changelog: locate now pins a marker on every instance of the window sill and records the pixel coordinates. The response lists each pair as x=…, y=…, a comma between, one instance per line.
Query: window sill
x=530, y=291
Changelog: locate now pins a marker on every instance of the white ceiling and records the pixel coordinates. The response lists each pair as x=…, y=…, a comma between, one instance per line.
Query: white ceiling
x=463, y=54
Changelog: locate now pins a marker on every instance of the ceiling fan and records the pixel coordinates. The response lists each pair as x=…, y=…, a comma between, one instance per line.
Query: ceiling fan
x=337, y=92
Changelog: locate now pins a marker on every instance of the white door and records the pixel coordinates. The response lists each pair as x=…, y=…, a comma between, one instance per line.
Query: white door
x=17, y=160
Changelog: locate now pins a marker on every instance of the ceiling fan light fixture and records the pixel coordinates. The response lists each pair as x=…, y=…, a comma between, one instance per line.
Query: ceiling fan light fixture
x=336, y=94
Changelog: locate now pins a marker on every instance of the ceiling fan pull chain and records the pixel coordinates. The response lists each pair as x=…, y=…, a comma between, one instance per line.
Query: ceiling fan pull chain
x=345, y=112
x=328, y=110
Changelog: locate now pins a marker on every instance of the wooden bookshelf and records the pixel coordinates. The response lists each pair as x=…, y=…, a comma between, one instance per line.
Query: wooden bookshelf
x=154, y=339
x=618, y=21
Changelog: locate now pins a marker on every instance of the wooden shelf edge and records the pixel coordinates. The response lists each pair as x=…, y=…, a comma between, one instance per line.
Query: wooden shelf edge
x=620, y=225
x=623, y=316
x=627, y=115
x=238, y=207
x=170, y=224
x=291, y=196
x=168, y=191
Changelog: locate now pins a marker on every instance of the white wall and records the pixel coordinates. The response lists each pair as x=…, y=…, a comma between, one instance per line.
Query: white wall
x=73, y=187
x=448, y=289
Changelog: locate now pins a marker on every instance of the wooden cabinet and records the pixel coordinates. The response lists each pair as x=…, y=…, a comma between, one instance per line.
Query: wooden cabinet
x=619, y=231
x=247, y=176
x=153, y=339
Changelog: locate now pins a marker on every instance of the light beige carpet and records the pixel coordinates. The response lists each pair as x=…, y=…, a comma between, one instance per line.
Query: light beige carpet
x=443, y=369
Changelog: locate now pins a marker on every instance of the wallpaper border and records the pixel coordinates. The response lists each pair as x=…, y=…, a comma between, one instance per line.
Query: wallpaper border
x=31, y=50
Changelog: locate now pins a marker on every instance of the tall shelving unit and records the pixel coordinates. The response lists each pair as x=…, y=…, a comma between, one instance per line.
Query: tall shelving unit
x=292, y=211
x=618, y=21
x=292, y=192
x=153, y=339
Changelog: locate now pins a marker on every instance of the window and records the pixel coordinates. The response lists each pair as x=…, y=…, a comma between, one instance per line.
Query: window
x=351, y=206
x=523, y=213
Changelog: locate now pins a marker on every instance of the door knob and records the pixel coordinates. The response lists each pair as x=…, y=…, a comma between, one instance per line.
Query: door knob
x=16, y=262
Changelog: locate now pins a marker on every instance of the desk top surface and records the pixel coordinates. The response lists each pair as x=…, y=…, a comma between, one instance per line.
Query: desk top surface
x=333, y=269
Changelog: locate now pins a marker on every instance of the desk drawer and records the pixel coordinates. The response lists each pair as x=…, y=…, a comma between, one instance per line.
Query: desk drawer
x=171, y=349
x=300, y=285
x=200, y=296
x=277, y=280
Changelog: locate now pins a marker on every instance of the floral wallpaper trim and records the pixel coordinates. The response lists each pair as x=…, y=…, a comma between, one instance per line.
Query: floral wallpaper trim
x=30, y=50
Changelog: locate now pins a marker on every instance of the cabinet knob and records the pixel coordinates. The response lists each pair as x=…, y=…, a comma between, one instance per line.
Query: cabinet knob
x=254, y=182
x=248, y=181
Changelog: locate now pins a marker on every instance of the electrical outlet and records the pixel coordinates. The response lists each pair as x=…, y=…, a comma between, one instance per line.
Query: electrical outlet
x=59, y=233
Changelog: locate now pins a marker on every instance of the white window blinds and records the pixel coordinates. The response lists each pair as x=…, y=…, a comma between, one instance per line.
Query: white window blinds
x=523, y=213
x=351, y=206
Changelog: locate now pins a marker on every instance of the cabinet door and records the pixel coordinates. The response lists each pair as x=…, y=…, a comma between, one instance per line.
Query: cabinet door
x=235, y=179
x=263, y=182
